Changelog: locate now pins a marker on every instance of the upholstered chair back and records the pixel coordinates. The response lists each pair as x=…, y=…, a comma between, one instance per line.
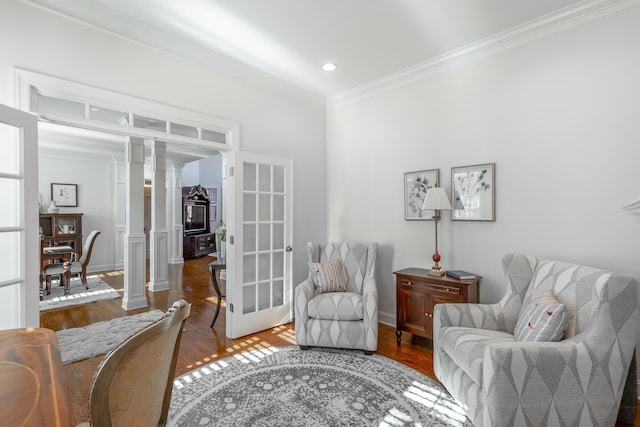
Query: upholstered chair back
x=358, y=259
x=578, y=287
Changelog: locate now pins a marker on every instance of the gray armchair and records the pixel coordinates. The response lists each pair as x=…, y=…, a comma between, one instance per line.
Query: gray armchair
x=340, y=319
x=578, y=381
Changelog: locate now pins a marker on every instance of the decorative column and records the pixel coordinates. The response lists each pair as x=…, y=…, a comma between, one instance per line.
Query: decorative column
x=174, y=212
x=120, y=213
x=135, y=259
x=158, y=265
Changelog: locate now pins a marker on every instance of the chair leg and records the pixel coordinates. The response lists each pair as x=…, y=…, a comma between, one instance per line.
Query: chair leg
x=83, y=277
x=48, y=282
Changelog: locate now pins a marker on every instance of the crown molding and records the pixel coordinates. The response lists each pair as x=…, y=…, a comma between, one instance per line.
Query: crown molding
x=553, y=23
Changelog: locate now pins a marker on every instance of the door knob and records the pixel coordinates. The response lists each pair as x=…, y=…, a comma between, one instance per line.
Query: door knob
x=289, y=249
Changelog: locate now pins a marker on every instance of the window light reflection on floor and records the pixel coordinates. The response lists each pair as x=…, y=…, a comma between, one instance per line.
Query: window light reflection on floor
x=252, y=355
x=442, y=406
x=81, y=294
x=396, y=417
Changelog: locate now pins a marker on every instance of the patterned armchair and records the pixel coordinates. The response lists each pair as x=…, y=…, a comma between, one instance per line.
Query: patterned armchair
x=340, y=319
x=578, y=381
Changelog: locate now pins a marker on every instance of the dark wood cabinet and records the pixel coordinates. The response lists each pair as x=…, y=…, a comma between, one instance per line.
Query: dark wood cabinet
x=417, y=292
x=62, y=230
x=198, y=239
x=199, y=245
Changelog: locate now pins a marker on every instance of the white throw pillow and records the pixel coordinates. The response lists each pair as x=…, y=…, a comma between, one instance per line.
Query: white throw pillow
x=329, y=276
x=546, y=319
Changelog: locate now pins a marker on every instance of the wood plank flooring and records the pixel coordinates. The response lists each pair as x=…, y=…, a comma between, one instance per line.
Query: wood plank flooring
x=201, y=344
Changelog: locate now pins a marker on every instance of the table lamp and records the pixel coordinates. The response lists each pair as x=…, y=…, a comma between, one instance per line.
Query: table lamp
x=437, y=200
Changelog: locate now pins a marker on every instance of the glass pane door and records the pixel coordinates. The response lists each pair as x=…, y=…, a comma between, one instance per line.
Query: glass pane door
x=262, y=276
x=18, y=219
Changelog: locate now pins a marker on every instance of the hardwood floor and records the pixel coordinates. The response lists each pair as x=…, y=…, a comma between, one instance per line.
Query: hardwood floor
x=200, y=344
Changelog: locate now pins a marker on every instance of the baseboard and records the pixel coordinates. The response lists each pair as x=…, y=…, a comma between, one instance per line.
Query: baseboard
x=387, y=318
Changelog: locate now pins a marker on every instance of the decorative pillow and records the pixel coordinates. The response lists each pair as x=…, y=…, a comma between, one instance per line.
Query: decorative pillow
x=546, y=319
x=329, y=276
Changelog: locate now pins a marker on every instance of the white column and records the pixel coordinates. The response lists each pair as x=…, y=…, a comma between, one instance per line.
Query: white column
x=135, y=259
x=120, y=213
x=174, y=212
x=158, y=236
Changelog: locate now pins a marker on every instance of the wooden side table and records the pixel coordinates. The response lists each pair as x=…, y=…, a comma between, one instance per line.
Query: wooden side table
x=214, y=267
x=417, y=292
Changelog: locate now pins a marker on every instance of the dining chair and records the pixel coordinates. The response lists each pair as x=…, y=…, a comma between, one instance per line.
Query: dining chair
x=134, y=382
x=78, y=267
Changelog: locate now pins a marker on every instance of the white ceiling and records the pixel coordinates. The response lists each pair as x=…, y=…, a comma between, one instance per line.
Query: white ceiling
x=291, y=39
x=371, y=41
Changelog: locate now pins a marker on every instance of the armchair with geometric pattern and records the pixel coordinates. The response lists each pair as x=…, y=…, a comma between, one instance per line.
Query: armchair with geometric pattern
x=577, y=381
x=345, y=319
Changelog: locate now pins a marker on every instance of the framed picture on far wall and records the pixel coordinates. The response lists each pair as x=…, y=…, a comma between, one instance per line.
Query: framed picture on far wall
x=416, y=185
x=65, y=195
x=473, y=193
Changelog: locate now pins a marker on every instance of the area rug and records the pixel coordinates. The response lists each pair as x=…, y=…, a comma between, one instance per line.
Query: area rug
x=285, y=386
x=98, y=291
x=101, y=337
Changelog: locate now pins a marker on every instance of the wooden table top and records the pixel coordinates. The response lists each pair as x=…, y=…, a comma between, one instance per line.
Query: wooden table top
x=33, y=390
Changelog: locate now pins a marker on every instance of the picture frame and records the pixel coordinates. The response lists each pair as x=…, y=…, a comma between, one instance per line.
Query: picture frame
x=473, y=192
x=212, y=192
x=65, y=195
x=416, y=185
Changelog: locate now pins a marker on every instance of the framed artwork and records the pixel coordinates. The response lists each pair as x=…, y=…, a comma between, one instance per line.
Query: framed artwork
x=473, y=193
x=213, y=212
x=213, y=195
x=65, y=195
x=416, y=185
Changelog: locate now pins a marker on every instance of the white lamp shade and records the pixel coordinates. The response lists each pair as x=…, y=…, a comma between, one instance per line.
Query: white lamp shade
x=436, y=199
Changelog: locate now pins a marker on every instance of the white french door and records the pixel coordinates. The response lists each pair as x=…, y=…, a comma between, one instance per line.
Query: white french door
x=19, y=248
x=259, y=285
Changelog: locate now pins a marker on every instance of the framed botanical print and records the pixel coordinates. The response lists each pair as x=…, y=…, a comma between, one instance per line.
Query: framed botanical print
x=473, y=193
x=416, y=185
x=65, y=195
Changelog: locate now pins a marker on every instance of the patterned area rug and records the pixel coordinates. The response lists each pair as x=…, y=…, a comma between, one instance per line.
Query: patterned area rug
x=101, y=337
x=285, y=386
x=98, y=290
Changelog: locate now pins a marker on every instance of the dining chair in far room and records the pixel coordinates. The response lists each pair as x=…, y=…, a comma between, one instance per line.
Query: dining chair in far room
x=134, y=383
x=78, y=267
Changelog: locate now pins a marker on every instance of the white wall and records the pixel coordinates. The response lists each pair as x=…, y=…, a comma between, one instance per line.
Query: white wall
x=95, y=182
x=558, y=116
x=275, y=118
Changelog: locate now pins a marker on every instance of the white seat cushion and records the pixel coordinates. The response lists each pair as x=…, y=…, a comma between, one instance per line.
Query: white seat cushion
x=466, y=346
x=336, y=306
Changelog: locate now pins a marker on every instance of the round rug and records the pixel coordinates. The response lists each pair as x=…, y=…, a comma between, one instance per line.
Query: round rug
x=285, y=386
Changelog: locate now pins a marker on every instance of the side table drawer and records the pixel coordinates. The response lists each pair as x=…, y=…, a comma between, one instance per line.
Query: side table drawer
x=432, y=287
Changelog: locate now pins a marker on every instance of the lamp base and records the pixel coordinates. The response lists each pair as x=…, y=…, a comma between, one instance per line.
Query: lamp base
x=436, y=272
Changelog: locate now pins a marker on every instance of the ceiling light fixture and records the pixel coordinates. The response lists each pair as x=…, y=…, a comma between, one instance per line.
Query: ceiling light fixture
x=329, y=66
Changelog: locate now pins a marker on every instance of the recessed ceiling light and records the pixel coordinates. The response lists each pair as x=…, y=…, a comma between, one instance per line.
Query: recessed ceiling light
x=329, y=66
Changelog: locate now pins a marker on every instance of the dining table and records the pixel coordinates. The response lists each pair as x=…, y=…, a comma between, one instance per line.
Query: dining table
x=33, y=389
